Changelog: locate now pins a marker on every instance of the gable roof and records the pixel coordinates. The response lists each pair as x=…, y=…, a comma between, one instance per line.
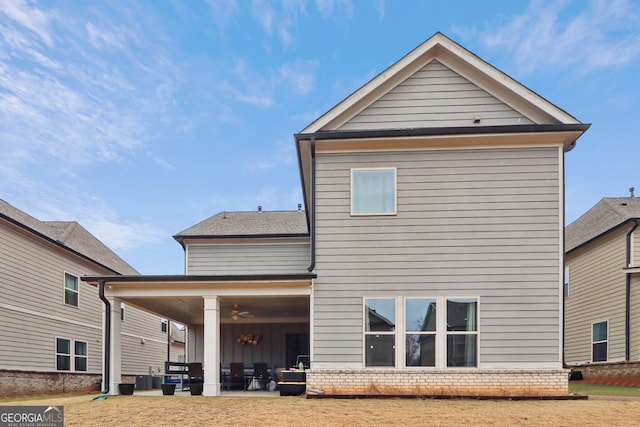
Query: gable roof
x=604, y=216
x=70, y=236
x=458, y=60
x=249, y=224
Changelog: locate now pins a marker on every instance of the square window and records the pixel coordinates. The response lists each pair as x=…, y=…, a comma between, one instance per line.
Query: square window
x=373, y=191
x=70, y=289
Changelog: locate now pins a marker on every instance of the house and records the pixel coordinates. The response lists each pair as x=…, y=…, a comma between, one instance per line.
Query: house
x=428, y=256
x=602, y=289
x=51, y=320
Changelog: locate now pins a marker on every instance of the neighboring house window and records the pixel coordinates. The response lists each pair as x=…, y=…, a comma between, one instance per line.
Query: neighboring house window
x=80, y=356
x=462, y=332
x=70, y=289
x=380, y=328
x=121, y=311
x=373, y=191
x=63, y=354
x=600, y=341
x=163, y=325
x=566, y=282
x=420, y=327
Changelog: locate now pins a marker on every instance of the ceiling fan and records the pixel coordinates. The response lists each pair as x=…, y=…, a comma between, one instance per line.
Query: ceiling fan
x=236, y=314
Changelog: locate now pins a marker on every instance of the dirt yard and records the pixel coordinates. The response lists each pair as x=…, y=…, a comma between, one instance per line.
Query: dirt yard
x=297, y=411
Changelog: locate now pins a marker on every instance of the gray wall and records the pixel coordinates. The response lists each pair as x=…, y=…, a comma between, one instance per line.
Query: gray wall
x=470, y=222
x=248, y=258
x=435, y=96
x=33, y=313
x=596, y=293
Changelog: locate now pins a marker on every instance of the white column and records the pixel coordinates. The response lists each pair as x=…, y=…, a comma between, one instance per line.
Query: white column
x=115, y=354
x=211, y=361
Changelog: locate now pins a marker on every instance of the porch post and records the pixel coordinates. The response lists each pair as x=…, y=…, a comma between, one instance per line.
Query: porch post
x=211, y=346
x=115, y=354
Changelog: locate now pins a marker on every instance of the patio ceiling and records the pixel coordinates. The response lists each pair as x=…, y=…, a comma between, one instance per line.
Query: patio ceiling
x=261, y=309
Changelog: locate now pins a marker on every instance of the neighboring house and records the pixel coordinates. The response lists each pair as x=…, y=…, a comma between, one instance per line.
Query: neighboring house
x=177, y=341
x=602, y=289
x=51, y=321
x=427, y=260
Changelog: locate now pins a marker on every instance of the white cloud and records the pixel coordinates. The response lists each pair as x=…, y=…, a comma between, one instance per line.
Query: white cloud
x=602, y=34
x=264, y=14
x=299, y=76
x=101, y=38
x=34, y=19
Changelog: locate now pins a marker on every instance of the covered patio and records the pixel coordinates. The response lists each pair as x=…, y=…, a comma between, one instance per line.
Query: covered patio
x=217, y=310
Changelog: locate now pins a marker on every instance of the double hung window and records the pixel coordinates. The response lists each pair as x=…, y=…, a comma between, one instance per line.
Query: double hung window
x=380, y=332
x=71, y=289
x=462, y=332
x=600, y=341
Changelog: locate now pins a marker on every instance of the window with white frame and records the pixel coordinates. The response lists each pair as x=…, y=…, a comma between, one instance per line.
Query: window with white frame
x=164, y=325
x=122, y=311
x=71, y=289
x=436, y=332
x=462, y=332
x=373, y=191
x=380, y=332
x=600, y=341
x=420, y=331
x=566, y=282
x=80, y=356
x=65, y=356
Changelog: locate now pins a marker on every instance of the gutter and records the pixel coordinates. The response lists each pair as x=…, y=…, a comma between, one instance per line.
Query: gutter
x=441, y=131
x=312, y=224
x=627, y=301
x=107, y=338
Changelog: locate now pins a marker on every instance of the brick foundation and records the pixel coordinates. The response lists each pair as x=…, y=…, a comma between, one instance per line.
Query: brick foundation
x=25, y=383
x=606, y=370
x=369, y=382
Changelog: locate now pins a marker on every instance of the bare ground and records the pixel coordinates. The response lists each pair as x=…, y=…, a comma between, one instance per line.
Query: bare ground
x=296, y=411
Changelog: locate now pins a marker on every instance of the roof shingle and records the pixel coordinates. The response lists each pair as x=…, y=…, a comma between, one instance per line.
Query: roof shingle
x=238, y=224
x=605, y=215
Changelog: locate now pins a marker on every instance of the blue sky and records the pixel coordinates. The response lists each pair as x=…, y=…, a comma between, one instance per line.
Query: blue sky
x=139, y=119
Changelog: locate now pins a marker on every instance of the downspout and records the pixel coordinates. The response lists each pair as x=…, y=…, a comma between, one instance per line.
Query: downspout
x=627, y=302
x=312, y=224
x=107, y=337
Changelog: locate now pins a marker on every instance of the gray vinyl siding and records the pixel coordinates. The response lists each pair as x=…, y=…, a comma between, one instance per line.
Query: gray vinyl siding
x=481, y=223
x=139, y=358
x=435, y=96
x=635, y=318
x=597, y=293
x=256, y=258
x=32, y=309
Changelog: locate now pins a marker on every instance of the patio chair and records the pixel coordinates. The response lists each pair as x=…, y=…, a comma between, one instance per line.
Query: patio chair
x=236, y=376
x=196, y=374
x=261, y=374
